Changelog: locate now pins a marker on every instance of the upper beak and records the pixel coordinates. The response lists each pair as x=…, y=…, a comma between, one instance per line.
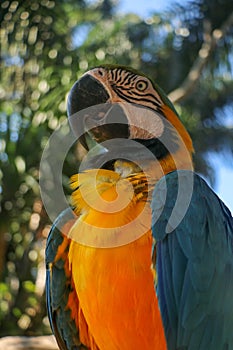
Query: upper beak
x=98, y=119
x=86, y=92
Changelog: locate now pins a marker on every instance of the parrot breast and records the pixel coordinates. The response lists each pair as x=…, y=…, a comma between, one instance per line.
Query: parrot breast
x=115, y=286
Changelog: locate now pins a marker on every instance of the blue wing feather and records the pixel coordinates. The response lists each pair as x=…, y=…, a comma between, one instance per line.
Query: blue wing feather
x=194, y=266
x=58, y=287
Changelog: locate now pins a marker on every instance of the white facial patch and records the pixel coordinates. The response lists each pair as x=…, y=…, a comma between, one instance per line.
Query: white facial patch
x=144, y=123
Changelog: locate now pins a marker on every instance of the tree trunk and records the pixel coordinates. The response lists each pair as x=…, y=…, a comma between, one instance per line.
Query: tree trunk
x=28, y=343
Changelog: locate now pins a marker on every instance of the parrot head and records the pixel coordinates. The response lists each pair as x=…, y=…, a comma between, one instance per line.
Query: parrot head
x=112, y=105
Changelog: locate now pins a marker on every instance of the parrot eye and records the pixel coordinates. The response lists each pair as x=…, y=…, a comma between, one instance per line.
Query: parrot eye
x=141, y=85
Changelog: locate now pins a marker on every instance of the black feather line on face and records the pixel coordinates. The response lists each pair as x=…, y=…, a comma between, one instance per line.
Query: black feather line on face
x=161, y=93
x=136, y=100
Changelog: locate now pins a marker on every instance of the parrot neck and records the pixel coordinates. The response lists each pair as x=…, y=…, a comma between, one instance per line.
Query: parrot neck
x=155, y=170
x=178, y=154
x=181, y=160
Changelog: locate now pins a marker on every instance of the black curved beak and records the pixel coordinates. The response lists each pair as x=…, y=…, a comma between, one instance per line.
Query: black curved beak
x=104, y=121
x=86, y=92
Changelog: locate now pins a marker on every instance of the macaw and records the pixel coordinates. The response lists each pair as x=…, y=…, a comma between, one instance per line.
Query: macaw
x=145, y=259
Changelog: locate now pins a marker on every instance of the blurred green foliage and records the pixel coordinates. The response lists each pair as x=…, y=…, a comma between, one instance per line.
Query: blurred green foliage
x=45, y=46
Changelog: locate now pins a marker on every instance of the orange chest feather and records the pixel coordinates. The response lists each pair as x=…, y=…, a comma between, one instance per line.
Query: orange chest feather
x=110, y=262
x=116, y=292
x=115, y=288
